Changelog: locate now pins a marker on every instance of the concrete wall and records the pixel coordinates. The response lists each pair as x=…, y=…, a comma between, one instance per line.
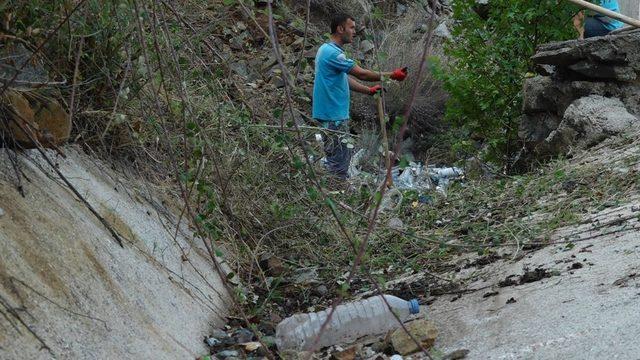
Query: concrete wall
x=81, y=293
x=630, y=8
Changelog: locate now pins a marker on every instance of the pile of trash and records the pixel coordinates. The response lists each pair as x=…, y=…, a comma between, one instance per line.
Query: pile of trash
x=415, y=176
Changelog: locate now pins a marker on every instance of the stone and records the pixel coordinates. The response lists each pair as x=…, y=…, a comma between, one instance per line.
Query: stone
x=443, y=31
x=295, y=355
x=424, y=331
x=219, y=334
x=401, y=9
x=272, y=265
x=366, y=46
x=348, y=354
x=544, y=70
x=320, y=290
x=269, y=63
x=225, y=354
x=310, y=54
x=41, y=117
x=240, y=67
x=604, y=71
x=457, y=355
x=589, y=120
x=211, y=341
x=395, y=224
x=14, y=55
x=242, y=336
x=591, y=71
x=306, y=276
x=237, y=42
x=52, y=119
x=539, y=94
x=251, y=346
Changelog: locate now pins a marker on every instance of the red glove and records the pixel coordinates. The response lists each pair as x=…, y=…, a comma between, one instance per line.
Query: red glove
x=374, y=89
x=399, y=74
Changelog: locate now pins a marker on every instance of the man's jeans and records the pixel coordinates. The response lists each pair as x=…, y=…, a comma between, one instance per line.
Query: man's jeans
x=337, y=152
x=594, y=27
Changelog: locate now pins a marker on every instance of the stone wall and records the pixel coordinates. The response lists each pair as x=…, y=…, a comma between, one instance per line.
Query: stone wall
x=584, y=92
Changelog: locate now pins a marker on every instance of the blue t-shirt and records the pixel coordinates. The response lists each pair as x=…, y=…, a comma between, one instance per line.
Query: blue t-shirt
x=609, y=23
x=331, y=86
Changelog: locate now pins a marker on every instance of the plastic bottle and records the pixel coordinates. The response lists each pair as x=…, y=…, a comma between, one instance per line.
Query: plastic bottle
x=349, y=322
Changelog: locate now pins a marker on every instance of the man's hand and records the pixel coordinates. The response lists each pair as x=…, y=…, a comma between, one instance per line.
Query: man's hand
x=399, y=74
x=374, y=89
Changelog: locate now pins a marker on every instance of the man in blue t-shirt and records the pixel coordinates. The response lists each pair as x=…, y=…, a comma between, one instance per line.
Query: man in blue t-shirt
x=600, y=25
x=331, y=91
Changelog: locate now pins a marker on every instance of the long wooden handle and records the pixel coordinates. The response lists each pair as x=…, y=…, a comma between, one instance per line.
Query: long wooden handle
x=385, y=140
x=612, y=14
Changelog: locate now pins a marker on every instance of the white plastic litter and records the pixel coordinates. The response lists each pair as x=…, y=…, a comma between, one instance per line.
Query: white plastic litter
x=349, y=322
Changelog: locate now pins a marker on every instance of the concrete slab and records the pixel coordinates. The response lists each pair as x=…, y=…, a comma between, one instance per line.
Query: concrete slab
x=585, y=311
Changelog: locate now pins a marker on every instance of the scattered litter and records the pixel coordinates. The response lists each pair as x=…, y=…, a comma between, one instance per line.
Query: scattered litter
x=1, y=212
x=211, y=342
x=354, y=170
x=395, y=357
x=415, y=176
x=391, y=200
x=350, y=321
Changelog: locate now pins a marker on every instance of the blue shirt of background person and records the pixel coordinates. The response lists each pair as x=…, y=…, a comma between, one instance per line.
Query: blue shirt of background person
x=596, y=24
x=609, y=23
x=331, y=95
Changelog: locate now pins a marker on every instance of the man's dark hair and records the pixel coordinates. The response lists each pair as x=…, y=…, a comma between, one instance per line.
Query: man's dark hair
x=339, y=20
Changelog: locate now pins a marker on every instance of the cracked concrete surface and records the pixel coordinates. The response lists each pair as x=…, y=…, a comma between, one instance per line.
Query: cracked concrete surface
x=588, y=309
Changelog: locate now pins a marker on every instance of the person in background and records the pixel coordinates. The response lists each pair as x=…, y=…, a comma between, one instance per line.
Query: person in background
x=597, y=24
x=335, y=77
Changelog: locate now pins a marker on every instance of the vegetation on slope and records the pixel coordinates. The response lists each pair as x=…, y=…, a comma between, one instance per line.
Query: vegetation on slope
x=490, y=57
x=155, y=86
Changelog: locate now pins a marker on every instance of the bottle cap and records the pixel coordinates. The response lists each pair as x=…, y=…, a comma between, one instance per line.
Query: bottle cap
x=414, y=307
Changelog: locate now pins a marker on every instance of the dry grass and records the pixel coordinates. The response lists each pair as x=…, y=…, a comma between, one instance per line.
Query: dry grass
x=402, y=45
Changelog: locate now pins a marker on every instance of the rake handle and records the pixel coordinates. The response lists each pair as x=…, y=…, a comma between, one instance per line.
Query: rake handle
x=612, y=14
x=385, y=140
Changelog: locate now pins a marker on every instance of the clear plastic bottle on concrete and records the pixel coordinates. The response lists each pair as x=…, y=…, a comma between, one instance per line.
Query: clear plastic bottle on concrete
x=349, y=322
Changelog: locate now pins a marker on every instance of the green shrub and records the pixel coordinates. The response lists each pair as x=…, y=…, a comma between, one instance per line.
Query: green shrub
x=490, y=56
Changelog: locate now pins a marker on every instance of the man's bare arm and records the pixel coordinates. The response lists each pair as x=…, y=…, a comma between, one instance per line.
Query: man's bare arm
x=357, y=86
x=366, y=75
